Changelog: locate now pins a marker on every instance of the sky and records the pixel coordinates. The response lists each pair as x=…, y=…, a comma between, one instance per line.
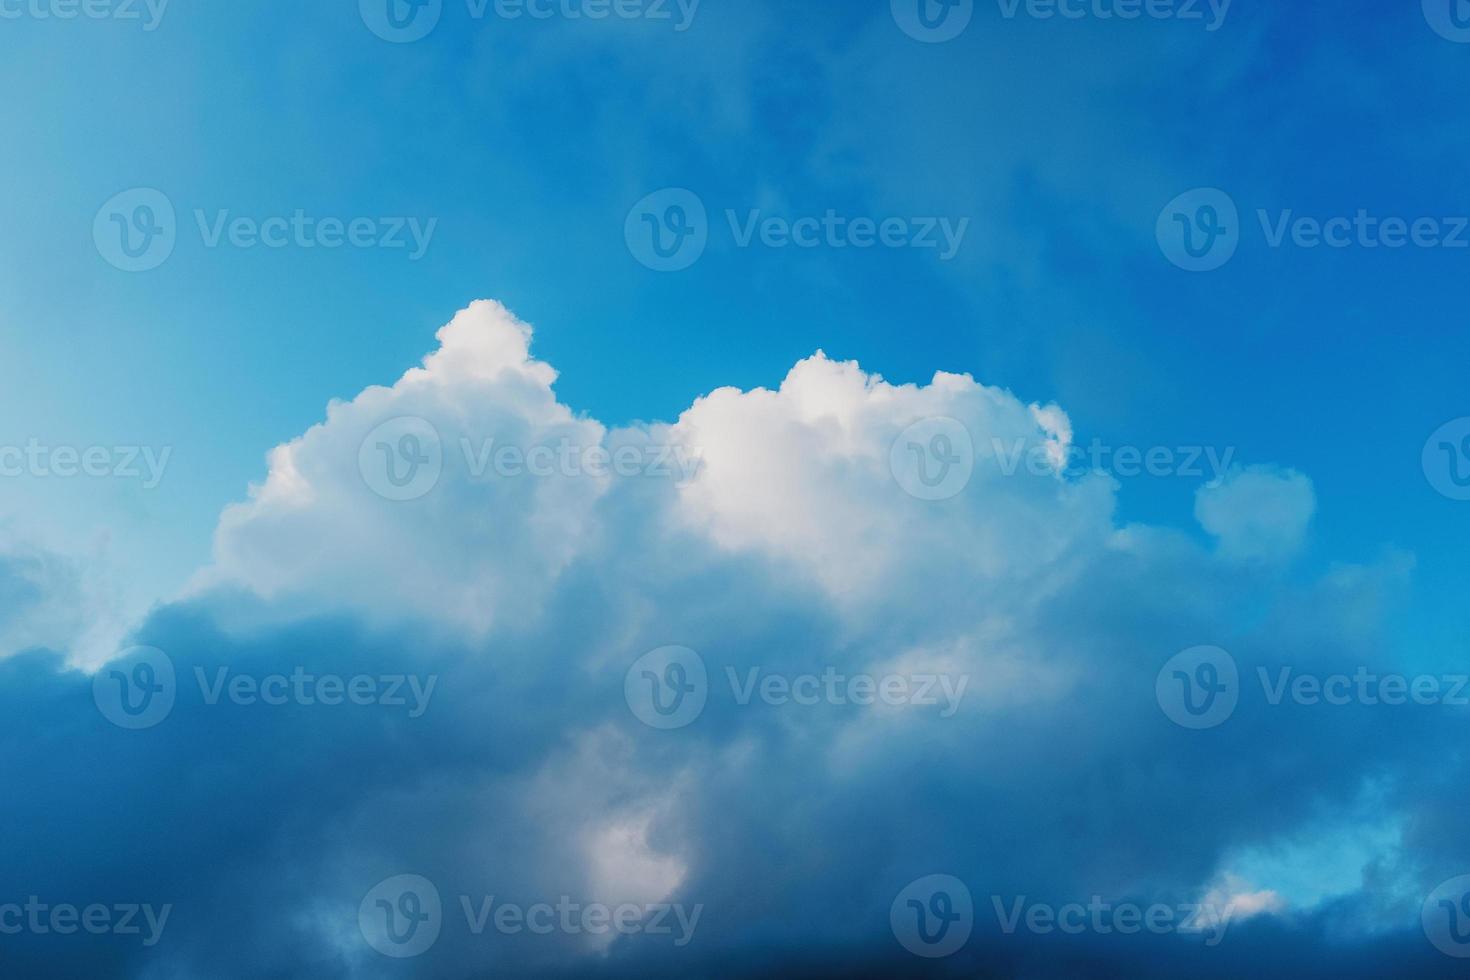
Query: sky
x=1053, y=353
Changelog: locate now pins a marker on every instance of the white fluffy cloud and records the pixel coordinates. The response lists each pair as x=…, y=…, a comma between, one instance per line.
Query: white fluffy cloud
x=799, y=545
x=801, y=475
x=1258, y=513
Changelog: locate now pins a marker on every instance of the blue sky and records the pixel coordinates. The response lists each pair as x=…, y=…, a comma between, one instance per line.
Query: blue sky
x=520, y=145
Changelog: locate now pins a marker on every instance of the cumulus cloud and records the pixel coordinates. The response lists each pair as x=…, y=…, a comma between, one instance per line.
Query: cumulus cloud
x=530, y=584
x=1258, y=512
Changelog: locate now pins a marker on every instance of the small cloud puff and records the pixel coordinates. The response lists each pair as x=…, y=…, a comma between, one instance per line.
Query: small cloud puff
x=1258, y=513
